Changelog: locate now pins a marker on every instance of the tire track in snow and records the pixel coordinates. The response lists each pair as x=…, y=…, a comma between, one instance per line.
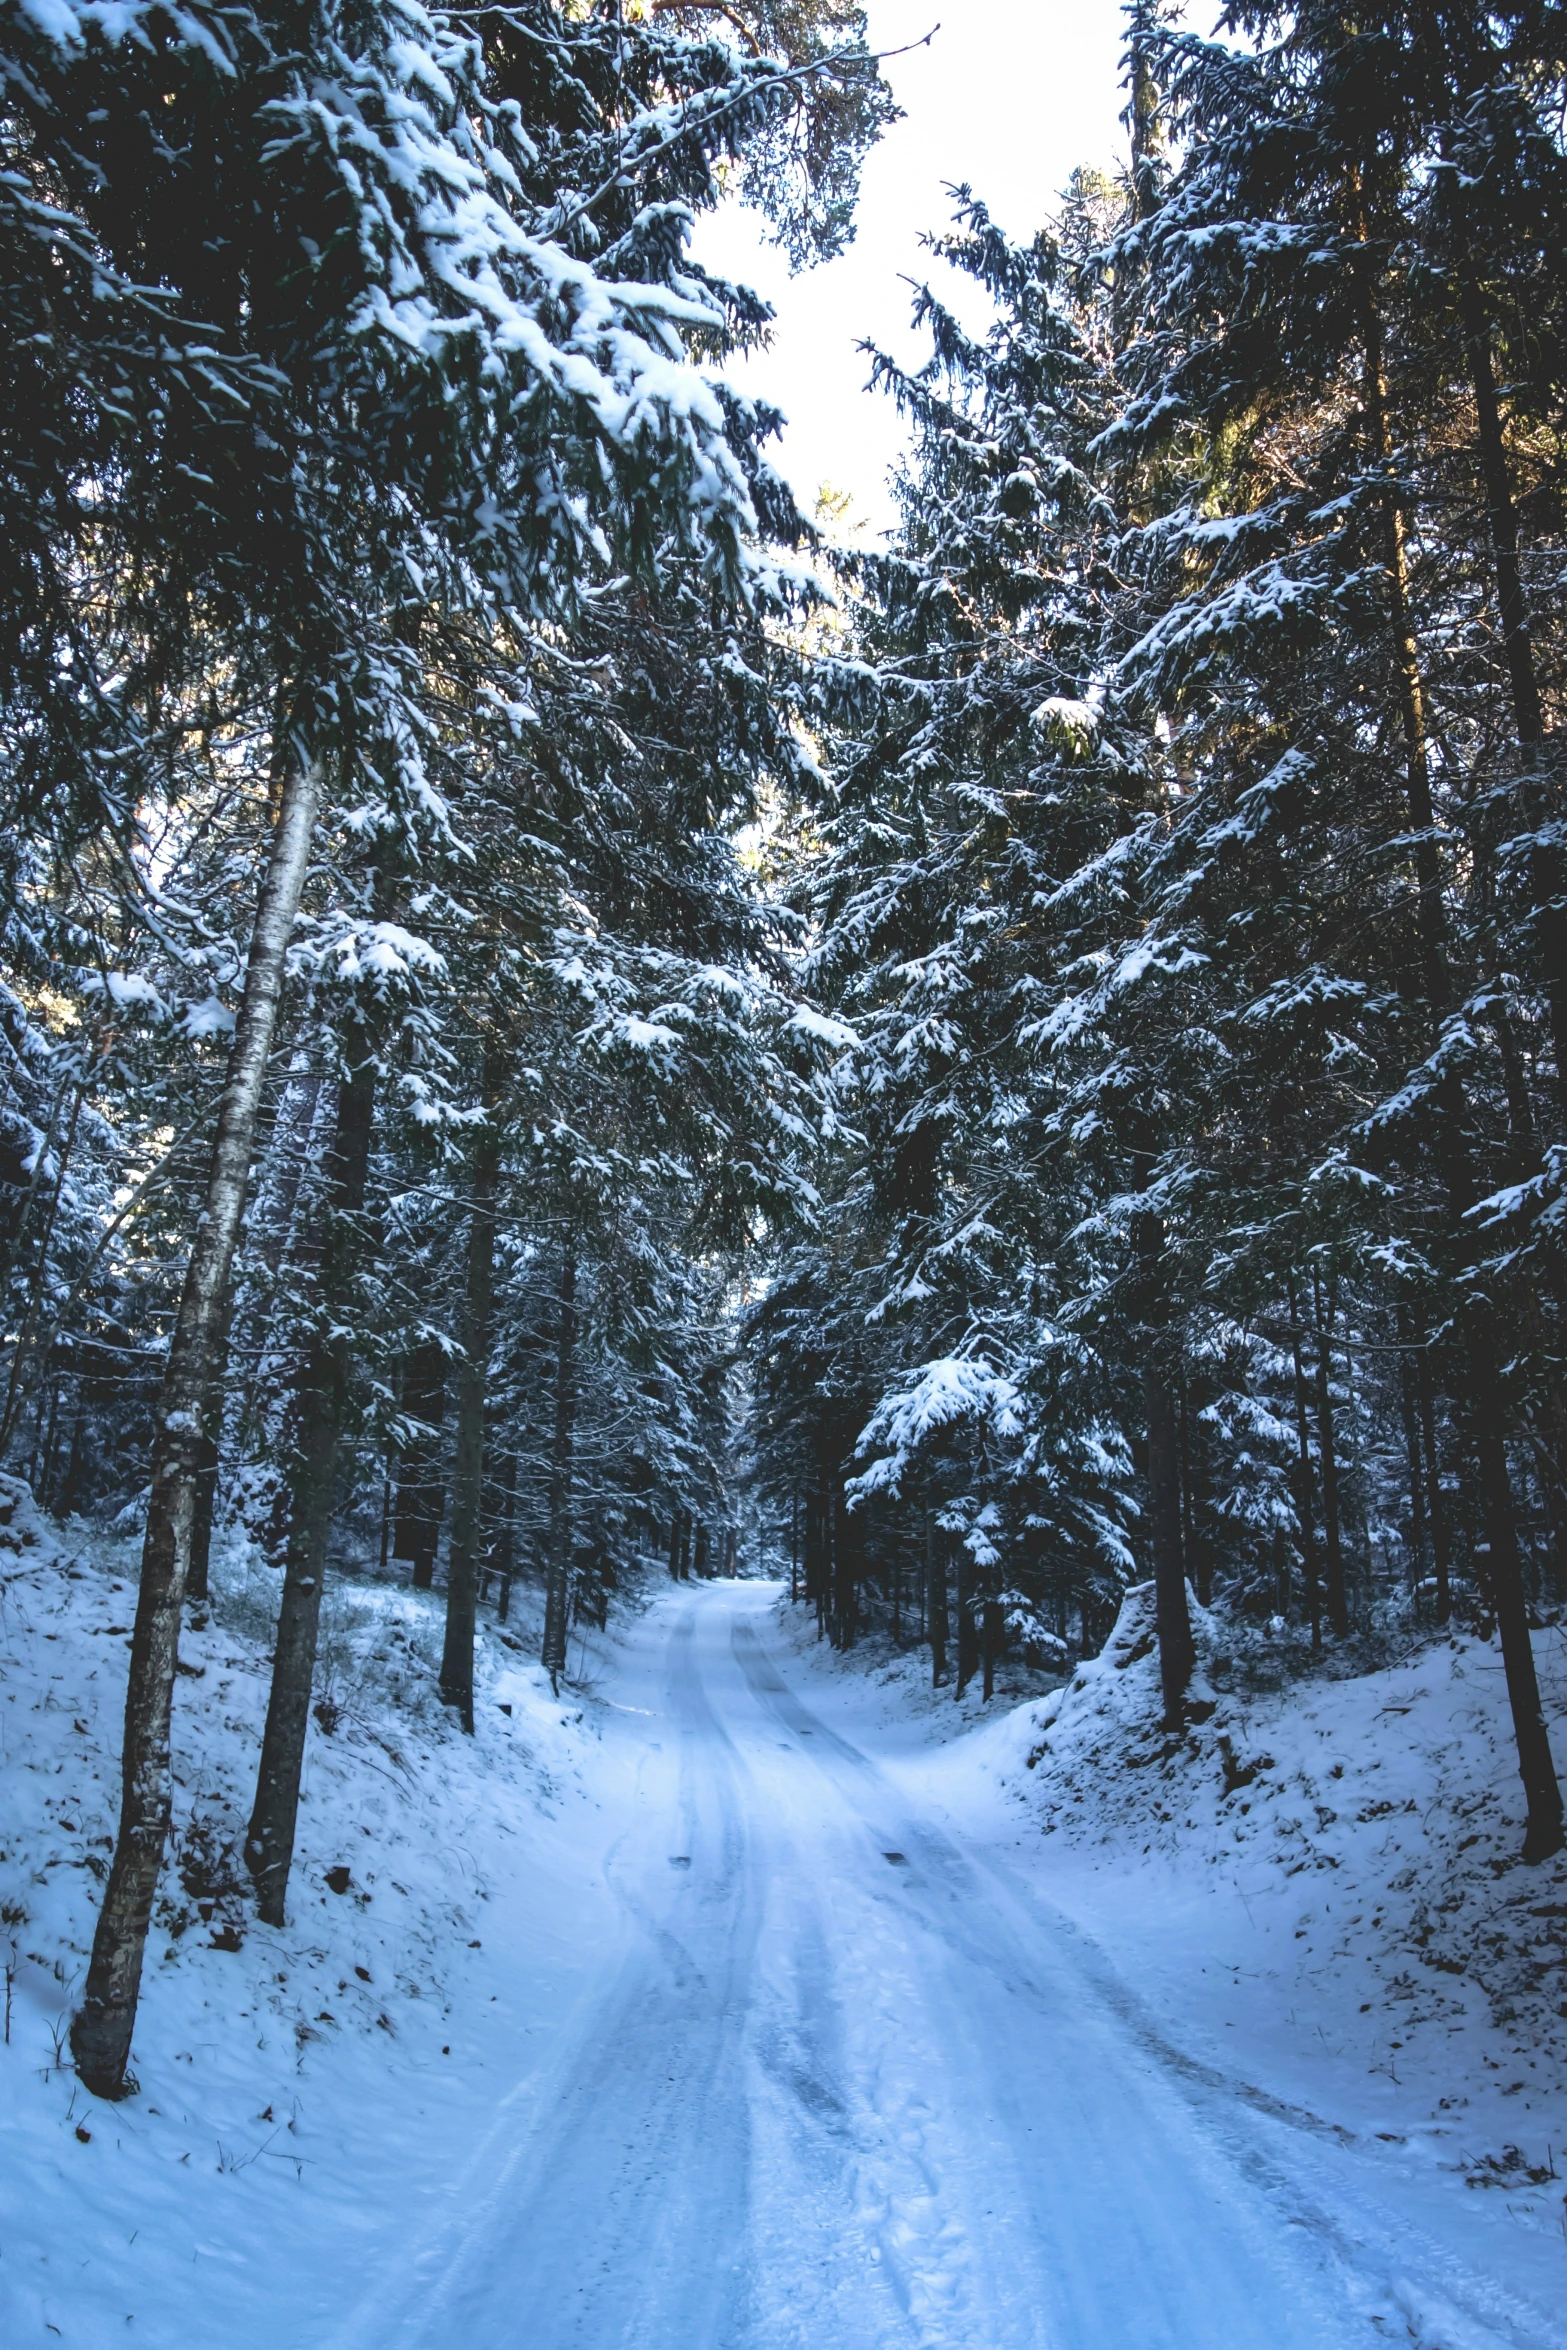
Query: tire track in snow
x=615, y=2216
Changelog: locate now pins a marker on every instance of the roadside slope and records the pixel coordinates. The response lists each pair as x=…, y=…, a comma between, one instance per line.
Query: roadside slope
x=303, y=2092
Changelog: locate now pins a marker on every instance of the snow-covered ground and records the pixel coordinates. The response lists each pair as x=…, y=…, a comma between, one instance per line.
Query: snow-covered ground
x=738, y=2004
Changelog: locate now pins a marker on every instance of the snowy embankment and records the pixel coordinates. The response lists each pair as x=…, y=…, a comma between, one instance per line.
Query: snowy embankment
x=296, y=2087
x=1318, y=1887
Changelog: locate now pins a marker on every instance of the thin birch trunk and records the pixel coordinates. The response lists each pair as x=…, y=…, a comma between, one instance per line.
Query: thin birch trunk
x=101, y=2031
x=198, y=1576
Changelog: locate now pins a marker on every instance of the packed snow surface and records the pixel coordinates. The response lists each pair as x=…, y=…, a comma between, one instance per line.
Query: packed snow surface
x=720, y=2008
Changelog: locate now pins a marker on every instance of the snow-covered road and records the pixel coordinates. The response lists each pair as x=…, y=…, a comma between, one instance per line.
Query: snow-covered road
x=841, y=2084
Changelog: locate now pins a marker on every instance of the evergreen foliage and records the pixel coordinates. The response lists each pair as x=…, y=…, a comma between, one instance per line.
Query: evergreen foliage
x=1047, y=1077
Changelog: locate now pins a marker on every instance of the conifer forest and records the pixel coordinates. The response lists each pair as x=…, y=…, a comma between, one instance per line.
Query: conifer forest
x=802, y=1287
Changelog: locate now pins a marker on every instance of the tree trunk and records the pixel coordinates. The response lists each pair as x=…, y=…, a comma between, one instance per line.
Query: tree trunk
x=936, y=1602
x=101, y=2031
x=1441, y=1533
x=1177, y=1651
x=1543, y=1832
x=1419, y=1517
x=558, y=1570
x=317, y=1414
x=1194, y=1544
x=421, y=1499
x=843, y=1552
x=1333, y=1542
x=1304, y=1514
x=818, y=1554
x=462, y=1557
x=198, y=1580
x=967, y=1629
x=386, y=1511
x=503, y=1555
x=992, y=1643
x=293, y=1147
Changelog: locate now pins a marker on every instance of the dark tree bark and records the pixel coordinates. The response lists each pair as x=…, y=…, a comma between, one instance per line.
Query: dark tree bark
x=1177, y=1651
x=818, y=1554
x=844, y=1552
x=558, y=1566
x=1333, y=1541
x=1304, y=1513
x=71, y=1482
x=1543, y=1832
x=421, y=1499
x=317, y=1414
x=1194, y=1543
x=967, y=1629
x=936, y=1601
x=101, y=2032
x=503, y=1551
x=294, y=1146
x=387, y=1490
x=1419, y=1515
x=462, y=1557
x=1441, y=1531
x=992, y=1642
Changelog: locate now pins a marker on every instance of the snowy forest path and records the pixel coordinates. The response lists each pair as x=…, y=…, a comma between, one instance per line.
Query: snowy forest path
x=847, y=2086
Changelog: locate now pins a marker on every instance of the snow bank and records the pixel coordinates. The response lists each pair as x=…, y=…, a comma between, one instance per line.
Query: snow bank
x=1320, y=1882
x=297, y=2087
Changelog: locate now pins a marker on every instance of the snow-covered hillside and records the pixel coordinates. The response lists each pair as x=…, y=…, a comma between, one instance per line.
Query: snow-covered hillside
x=1320, y=1881
x=295, y=2086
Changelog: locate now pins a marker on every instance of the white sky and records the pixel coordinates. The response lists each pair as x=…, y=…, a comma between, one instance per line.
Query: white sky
x=1010, y=95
